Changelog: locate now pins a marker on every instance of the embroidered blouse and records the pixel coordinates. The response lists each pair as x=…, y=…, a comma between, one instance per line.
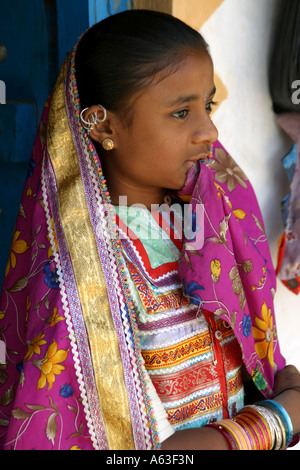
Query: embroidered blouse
x=191, y=356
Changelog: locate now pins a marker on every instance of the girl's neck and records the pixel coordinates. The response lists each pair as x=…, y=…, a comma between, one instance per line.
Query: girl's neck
x=142, y=198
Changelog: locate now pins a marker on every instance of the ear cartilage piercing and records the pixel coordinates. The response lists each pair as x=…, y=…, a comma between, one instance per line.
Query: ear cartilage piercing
x=89, y=125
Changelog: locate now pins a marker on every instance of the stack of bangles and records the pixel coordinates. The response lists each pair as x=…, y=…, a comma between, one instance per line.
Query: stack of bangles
x=263, y=426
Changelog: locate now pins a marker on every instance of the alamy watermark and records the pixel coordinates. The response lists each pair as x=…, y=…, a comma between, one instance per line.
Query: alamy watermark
x=164, y=221
x=2, y=92
x=296, y=94
x=2, y=352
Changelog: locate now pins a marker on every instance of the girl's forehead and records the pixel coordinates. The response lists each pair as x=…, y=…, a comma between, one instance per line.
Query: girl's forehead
x=193, y=75
x=183, y=82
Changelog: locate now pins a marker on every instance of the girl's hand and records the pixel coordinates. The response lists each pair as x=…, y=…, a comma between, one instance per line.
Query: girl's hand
x=289, y=377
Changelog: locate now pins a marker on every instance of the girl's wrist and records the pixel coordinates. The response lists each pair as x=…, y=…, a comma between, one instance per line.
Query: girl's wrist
x=296, y=388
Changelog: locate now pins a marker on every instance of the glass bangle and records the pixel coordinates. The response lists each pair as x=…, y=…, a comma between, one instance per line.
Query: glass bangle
x=261, y=423
x=283, y=415
x=226, y=434
x=249, y=427
x=259, y=429
x=238, y=433
x=277, y=431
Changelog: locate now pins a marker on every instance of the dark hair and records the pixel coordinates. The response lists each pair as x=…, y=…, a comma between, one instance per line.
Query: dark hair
x=122, y=55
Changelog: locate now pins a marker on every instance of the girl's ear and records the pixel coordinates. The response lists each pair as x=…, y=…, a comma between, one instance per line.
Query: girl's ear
x=99, y=122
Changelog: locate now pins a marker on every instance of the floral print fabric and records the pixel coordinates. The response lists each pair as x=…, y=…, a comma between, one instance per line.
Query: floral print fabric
x=41, y=404
x=232, y=274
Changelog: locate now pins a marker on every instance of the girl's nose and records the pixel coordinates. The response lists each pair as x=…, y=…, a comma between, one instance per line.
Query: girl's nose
x=206, y=131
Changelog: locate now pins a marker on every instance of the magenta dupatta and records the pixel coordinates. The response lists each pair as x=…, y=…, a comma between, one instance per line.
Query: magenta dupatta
x=38, y=382
x=232, y=275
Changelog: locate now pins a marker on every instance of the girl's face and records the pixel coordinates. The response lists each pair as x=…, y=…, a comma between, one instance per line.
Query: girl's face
x=171, y=129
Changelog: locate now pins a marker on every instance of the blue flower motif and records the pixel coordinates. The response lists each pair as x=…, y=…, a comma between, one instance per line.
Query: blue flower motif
x=66, y=391
x=51, y=277
x=189, y=290
x=19, y=367
x=247, y=325
x=31, y=168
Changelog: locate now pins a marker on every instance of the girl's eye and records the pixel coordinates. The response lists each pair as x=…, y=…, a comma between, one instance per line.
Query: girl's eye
x=182, y=114
x=210, y=105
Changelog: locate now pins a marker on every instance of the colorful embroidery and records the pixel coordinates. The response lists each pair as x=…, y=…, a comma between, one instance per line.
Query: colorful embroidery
x=154, y=304
x=205, y=408
x=177, y=385
x=177, y=345
x=195, y=409
x=175, y=355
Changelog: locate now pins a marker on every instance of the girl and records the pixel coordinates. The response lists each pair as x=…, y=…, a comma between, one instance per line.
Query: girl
x=109, y=345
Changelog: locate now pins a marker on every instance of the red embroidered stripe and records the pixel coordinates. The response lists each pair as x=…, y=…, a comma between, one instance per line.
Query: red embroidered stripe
x=201, y=406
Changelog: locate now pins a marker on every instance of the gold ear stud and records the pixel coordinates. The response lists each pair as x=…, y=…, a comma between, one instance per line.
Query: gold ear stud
x=108, y=144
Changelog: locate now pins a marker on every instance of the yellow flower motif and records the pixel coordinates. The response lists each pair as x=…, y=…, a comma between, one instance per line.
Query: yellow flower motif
x=50, y=365
x=29, y=191
x=222, y=192
x=215, y=267
x=34, y=346
x=263, y=334
x=240, y=214
x=55, y=318
x=75, y=448
x=228, y=201
x=17, y=247
x=50, y=251
x=2, y=314
x=28, y=305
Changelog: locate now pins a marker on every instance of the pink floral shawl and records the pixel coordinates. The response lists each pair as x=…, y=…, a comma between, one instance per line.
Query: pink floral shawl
x=232, y=274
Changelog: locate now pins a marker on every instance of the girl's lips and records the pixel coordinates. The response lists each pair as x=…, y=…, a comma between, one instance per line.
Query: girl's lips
x=203, y=157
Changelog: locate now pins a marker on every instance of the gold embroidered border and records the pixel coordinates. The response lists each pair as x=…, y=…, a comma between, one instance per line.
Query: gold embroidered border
x=178, y=353
x=108, y=368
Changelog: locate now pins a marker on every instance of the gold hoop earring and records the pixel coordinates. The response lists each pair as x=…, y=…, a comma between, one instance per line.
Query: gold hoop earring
x=108, y=144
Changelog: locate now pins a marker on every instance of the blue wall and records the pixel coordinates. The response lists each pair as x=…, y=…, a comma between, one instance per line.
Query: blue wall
x=38, y=34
